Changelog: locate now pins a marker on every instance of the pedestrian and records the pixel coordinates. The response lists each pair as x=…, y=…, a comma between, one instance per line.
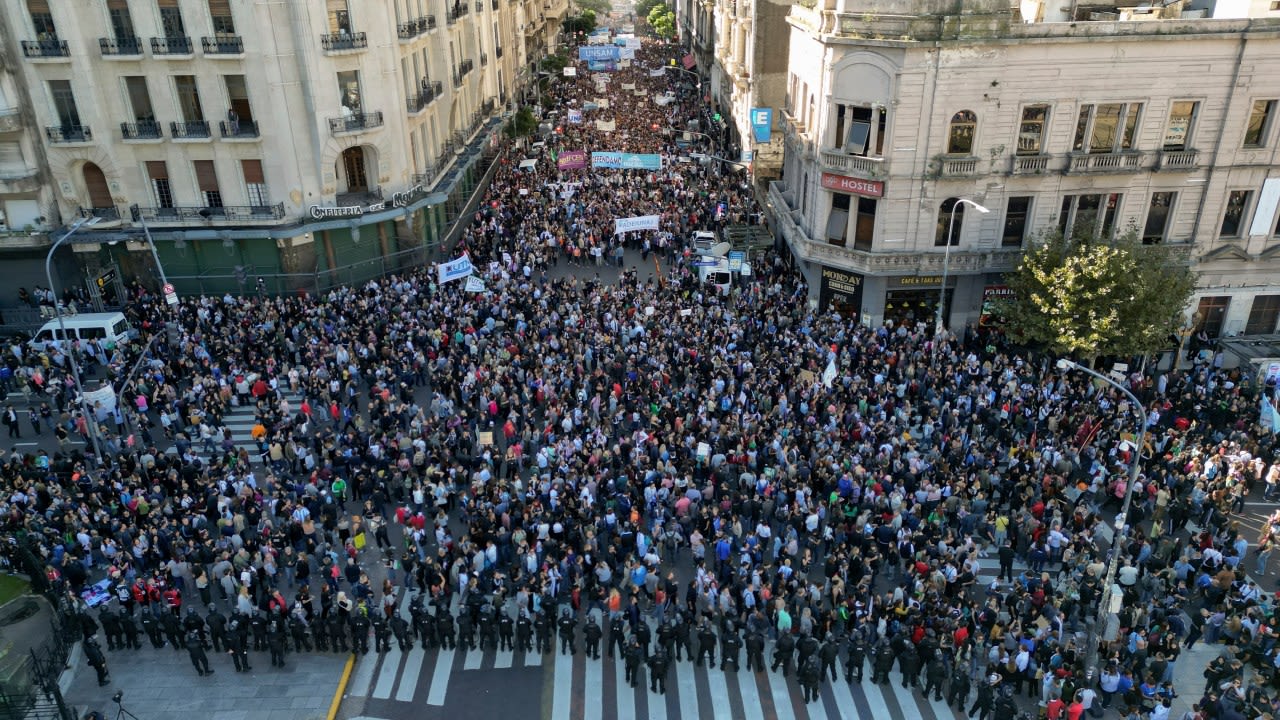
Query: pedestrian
x=195, y=648
x=98, y=661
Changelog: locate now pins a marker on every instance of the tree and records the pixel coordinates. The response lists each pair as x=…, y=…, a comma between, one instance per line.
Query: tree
x=663, y=21
x=598, y=7
x=1088, y=297
x=522, y=124
x=644, y=7
x=584, y=23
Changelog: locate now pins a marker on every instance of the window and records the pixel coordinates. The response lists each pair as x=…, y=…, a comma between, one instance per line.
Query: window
x=1107, y=128
x=1031, y=129
x=238, y=98
x=188, y=98
x=1213, y=311
x=1233, y=218
x=139, y=99
x=1158, y=215
x=339, y=16
x=12, y=163
x=207, y=181
x=866, y=227
x=1015, y=221
x=64, y=103
x=223, y=23
x=255, y=182
x=349, y=91
x=1177, y=134
x=1263, y=315
x=171, y=20
x=860, y=130
x=1089, y=217
x=121, y=20
x=42, y=19
x=158, y=172
x=960, y=135
x=1255, y=135
x=838, y=220
x=944, y=228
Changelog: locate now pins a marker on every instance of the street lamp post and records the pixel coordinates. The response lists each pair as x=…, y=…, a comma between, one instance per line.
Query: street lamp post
x=946, y=261
x=1105, y=601
x=91, y=418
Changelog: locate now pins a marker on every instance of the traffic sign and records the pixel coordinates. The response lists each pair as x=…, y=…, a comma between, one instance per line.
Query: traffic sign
x=170, y=294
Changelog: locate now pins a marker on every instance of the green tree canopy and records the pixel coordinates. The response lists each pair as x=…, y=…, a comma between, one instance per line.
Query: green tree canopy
x=644, y=7
x=1089, y=297
x=584, y=23
x=663, y=21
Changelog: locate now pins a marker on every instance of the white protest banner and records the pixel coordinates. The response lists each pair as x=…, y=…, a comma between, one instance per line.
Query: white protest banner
x=602, y=103
x=632, y=224
x=657, y=73
x=606, y=125
x=474, y=284
x=628, y=86
x=455, y=269
x=622, y=64
x=570, y=72
x=627, y=54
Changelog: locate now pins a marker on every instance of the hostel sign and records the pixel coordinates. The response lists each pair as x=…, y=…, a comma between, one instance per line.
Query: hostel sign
x=853, y=186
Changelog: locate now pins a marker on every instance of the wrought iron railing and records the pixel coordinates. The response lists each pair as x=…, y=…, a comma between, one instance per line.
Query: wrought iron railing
x=239, y=128
x=47, y=48
x=223, y=45
x=141, y=130
x=68, y=133
x=226, y=213
x=418, y=26
x=171, y=46
x=355, y=123
x=337, y=42
x=193, y=129
x=120, y=46
x=425, y=96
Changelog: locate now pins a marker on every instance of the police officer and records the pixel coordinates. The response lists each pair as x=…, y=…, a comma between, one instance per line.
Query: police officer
x=217, y=623
x=827, y=655
x=543, y=632
x=151, y=626
x=381, y=634
x=466, y=631
x=935, y=673
x=909, y=664
x=755, y=651
x=195, y=648
x=882, y=663
x=111, y=628
x=524, y=633
x=424, y=623
x=616, y=636
x=706, y=644
x=172, y=629
x=666, y=638
x=194, y=623
x=444, y=628
x=488, y=626
x=238, y=642
x=276, y=642
x=320, y=633
x=958, y=693
x=400, y=628
x=805, y=649
x=982, y=705
x=810, y=673
x=568, y=631
x=854, y=660
x=658, y=664
x=643, y=636
x=730, y=646
x=683, y=640
x=782, y=653
x=129, y=631
x=360, y=632
x=98, y=661
x=506, y=631
x=592, y=633
x=258, y=624
x=337, y=633
x=298, y=631
x=631, y=659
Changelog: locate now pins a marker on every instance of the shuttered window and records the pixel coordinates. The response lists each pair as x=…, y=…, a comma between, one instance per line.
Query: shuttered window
x=38, y=6
x=167, y=3
x=252, y=170
x=157, y=170
x=255, y=184
x=206, y=176
x=117, y=4
x=219, y=7
x=11, y=162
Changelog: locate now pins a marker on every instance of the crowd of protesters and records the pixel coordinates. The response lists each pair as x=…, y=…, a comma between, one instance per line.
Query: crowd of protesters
x=718, y=469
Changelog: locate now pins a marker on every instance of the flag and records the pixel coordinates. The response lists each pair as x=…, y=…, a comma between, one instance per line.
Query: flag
x=474, y=284
x=1269, y=419
x=829, y=375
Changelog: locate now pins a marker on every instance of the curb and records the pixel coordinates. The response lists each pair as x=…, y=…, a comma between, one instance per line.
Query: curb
x=342, y=687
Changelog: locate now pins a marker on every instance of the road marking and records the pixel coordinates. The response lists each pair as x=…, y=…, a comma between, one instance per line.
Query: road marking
x=687, y=686
x=874, y=693
x=562, y=694
x=533, y=659
x=844, y=698
x=387, y=676
x=625, y=695
x=906, y=699
x=593, y=685
x=749, y=691
x=25, y=444
x=503, y=659
x=440, y=677
x=363, y=677
x=410, y=675
x=940, y=709
x=719, y=692
x=474, y=660
x=816, y=710
x=781, y=693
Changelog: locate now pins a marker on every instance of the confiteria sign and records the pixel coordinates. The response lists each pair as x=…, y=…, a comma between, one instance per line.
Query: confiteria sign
x=855, y=186
x=398, y=200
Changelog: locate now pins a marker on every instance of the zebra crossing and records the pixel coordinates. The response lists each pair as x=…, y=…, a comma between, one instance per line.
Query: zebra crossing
x=240, y=421
x=585, y=689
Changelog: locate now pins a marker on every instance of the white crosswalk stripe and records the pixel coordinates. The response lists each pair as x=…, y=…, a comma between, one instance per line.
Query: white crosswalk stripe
x=387, y=676
x=240, y=421
x=440, y=677
x=409, y=677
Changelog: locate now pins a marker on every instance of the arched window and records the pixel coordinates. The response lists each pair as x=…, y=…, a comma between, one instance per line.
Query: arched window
x=944, y=228
x=960, y=135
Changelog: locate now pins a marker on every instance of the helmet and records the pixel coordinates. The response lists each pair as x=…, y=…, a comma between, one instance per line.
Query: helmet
x=993, y=678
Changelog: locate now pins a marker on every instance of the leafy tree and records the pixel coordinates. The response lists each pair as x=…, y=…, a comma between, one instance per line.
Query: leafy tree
x=522, y=124
x=644, y=7
x=584, y=23
x=1088, y=297
x=555, y=63
x=663, y=21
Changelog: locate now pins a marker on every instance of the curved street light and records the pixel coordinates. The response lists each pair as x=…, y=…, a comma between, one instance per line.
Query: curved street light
x=946, y=261
x=90, y=418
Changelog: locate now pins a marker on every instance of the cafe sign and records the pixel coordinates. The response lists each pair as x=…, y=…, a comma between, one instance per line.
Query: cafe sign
x=853, y=186
x=398, y=200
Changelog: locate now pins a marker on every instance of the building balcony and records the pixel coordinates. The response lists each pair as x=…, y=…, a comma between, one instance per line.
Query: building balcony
x=363, y=198
x=239, y=130
x=141, y=130
x=1029, y=164
x=19, y=180
x=414, y=28
x=120, y=48
x=226, y=213
x=855, y=165
x=224, y=45
x=1079, y=163
x=68, y=134
x=425, y=97
x=359, y=123
x=193, y=130
x=458, y=11
x=10, y=120
x=105, y=214
x=49, y=48
x=1177, y=160
x=957, y=167
x=343, y=42
x=171, y=46
x=797, y=124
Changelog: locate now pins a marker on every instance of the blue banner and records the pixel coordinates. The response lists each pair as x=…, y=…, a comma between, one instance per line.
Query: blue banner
x=598, y=52
x=601, y=66
x=626, y=161
x=762, y=124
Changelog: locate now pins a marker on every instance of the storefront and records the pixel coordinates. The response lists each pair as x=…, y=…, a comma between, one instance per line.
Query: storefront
x=914, y=299
x=841, y=291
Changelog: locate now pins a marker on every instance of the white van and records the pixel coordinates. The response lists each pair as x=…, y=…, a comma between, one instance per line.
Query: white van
x=110, y=327
x=703, y=241
x=715, y=271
